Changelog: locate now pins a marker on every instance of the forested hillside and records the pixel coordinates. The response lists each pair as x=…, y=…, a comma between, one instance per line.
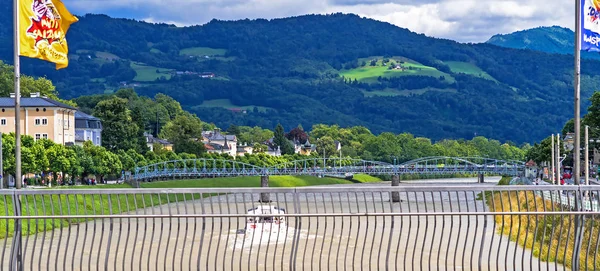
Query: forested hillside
x=331, y=69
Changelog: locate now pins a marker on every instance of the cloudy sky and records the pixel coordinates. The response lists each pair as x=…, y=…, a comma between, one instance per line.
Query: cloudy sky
x=461, y=20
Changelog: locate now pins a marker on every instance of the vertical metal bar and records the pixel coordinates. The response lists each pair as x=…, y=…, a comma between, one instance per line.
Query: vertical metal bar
x=218, y=199
x=110, y=231
x=441, y=233
x=185, y=235
x=85, y=212
x=392, y=224
x=168, y=207
x=430, y=261
x=177, y=237
x=68, y=232
x=116, y=252
x=152, y=207
x=409, y=229
x=468, y=227
x=357, y=230
x=194, y=230
x=146, y=228
x=7, y=221
x=425, y=231
x=101, y=233
x=382, y=231
x=170, y=222
x=458, y=235
x=203, y=230
x=28, y=213
x=287, y=227
x=451, y=227
x=52, y=231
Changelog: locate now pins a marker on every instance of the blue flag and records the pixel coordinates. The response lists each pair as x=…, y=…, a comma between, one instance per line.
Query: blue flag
x=590, y=25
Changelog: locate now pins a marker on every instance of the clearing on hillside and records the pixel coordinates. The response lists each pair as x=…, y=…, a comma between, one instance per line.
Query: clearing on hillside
x=202, y=51
x=147, y=73
x=391, y=67
x=226, y=103
x=391, y=92
x=468, y=68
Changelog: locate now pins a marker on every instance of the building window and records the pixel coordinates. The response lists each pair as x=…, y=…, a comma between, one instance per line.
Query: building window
x=44, y=121
x=3, y=122
x=45, y=136
x=38, y=121
x=37, y=136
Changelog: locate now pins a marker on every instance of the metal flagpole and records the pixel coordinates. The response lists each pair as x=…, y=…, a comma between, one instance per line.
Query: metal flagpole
x=577, y=158
x=17, y=96
x=576, y=155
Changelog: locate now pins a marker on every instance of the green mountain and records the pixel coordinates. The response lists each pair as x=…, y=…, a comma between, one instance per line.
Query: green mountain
x=331, y=69
x=554, y=40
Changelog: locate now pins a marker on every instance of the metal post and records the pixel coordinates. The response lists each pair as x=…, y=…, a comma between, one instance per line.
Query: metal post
x=577, y=158
x=552, y=178
x=587, y=157
x=1, y=165
x=17, y=96
x=395, y=183
x=576, y=155
x=264, y=182
x=557, y=158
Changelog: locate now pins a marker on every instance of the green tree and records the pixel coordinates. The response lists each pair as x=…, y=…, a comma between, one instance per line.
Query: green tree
x=183, y=132
x=119, y=131
x=171, y=105
x=259, y=148
x=184, y=126
x=326, y=146
x=281, y=141
x=60, y=160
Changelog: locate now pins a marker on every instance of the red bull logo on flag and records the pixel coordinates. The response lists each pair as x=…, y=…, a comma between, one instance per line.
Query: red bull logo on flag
x=590, y=25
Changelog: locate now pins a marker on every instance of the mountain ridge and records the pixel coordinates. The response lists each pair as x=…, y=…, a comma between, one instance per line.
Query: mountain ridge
x=313, y=69
x=548, y=39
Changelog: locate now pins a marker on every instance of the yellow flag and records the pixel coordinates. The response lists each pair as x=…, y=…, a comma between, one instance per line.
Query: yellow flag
x=43, y=26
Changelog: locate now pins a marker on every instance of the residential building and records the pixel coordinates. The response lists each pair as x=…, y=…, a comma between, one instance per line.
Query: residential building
x=569, y=141
x=151, y=140
x=531, y=170
x=243, y=149
x=304, y=149
x=87, y=128
x=41, y=117
x=217, y=142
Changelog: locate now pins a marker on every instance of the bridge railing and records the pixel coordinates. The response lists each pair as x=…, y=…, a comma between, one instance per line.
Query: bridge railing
x=201, y=168
x=471, y=227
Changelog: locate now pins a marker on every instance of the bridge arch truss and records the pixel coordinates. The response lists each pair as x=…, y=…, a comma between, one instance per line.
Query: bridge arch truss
x=438, y=165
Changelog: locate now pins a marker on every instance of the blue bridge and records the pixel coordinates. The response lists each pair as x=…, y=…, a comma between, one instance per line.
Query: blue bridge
x=438, y=165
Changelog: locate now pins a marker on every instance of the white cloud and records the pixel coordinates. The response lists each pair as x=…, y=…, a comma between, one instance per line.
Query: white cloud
x=462, y=20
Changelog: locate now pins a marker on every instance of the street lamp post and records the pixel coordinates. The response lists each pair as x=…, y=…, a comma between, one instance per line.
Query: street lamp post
x=587, y=153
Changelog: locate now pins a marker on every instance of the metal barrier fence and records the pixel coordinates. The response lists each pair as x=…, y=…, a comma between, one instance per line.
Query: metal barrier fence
x=324, y=228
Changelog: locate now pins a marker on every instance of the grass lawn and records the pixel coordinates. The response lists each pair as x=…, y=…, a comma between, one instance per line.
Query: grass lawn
x=468, y=68
x=390, y=92
x=202, y=51
x=254, y=181
x=99, y=204
x=226, y=103
x=549, y=228
x=147, y=73
x=369, y=73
